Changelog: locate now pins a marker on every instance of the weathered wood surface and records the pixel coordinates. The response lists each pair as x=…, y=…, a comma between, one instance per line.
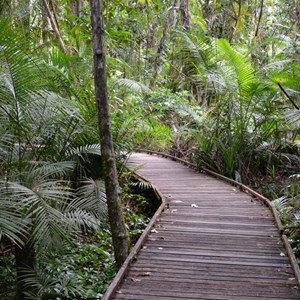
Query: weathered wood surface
x=212, y=241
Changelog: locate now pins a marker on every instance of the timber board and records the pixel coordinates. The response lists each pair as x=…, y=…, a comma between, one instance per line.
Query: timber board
x=210, y=241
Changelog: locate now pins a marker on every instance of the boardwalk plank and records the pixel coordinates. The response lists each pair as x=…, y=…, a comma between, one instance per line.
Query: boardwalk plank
x=212, y=241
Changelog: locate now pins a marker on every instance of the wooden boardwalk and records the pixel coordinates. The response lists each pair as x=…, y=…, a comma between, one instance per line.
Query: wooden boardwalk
x=211, y=241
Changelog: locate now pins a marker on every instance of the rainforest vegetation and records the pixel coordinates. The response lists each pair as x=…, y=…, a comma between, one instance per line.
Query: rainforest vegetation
x=213, y=82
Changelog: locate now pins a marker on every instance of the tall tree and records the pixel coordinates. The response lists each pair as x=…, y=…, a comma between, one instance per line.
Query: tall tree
x=116, y=219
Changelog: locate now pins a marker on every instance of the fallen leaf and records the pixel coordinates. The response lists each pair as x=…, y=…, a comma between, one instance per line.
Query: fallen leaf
x=154, y=231
x=296, y=287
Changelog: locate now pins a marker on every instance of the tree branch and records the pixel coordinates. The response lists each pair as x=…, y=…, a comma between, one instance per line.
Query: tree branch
x=259, y=18
x=287, y=95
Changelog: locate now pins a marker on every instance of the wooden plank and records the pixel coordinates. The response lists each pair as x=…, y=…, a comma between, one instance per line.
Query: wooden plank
x=211, y=241
x=150, y=287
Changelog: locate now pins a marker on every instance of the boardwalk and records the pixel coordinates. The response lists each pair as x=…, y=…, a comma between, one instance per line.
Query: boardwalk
x=212, y=241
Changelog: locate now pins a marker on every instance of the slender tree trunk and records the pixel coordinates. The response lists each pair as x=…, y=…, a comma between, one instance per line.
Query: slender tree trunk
x=116, y=219
x=25, y=259
x=259, y=17
x=26, y=17
x=77, y=7
x=185, y=14
x=54, y=26
x=206, y=9
x=237, y=16
x=162, y=44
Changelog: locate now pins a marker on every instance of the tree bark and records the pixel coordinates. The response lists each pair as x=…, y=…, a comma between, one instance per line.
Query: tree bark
x=54, y=26
x=77, y=7
x=185, y=14
x=259, y=17
x=25, y=260
x=115, y=214
x=161, y=45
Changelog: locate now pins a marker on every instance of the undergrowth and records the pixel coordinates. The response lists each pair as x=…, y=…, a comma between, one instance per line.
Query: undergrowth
x=85, y=269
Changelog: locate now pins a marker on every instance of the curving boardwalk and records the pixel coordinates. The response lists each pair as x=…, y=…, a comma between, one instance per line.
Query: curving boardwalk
x=211, y=241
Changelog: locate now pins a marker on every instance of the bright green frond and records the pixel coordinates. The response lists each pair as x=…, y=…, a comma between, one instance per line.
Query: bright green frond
x=238, y=69
x=132, y=84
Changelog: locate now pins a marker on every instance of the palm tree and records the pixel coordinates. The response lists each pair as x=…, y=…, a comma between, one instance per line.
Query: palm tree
x=40, y=140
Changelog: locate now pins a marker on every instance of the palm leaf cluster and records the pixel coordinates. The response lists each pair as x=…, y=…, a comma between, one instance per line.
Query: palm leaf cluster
x=42, y=141
x=237, y=116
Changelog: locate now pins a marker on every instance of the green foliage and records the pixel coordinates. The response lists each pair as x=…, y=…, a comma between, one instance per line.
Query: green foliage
x=7, y=272
x=228, y=100
x=87, y=265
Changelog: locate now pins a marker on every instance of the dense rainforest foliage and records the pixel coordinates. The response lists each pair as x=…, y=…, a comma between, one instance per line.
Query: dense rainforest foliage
x=214, y=82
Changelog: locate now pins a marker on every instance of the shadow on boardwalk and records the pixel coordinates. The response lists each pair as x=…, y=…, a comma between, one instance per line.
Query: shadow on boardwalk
x=210, y=241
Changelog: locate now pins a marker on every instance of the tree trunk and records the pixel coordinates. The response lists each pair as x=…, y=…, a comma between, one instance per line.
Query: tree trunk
x=185, y=14
x=115, y=214
x=54, y=25
x=77, y=8
x=259, y=18
x=162, y=45
x=24, y=262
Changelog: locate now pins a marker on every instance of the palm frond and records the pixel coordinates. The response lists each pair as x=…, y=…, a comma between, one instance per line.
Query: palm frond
x=292, y=118
x=41, y=284
x=238, y=68
x=196, y=51
x=144, y=185
x=281, y=203
x=12, y=224
x=42, y=207
x=39, y=171
x=133, y=85
x=85, y=149
x=118, y=64
x=91, y=197
x=83, y=218
x=297, y=217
